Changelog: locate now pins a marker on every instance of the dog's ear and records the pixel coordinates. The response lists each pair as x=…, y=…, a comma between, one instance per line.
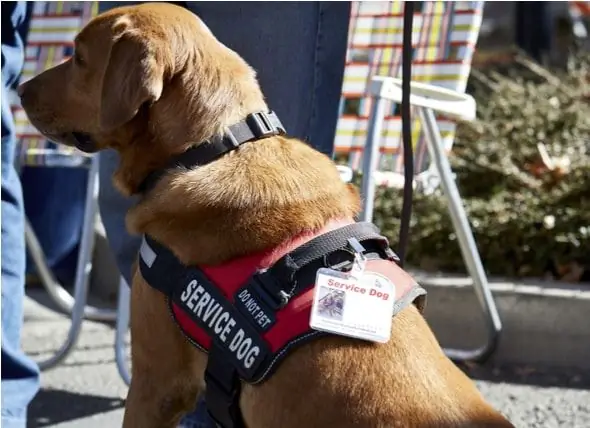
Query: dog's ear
x=133, y=76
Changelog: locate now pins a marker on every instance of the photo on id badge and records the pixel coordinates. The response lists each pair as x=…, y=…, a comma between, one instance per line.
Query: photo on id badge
x=331, y=303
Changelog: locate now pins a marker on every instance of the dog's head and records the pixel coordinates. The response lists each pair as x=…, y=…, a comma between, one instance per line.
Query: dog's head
x=148, y=81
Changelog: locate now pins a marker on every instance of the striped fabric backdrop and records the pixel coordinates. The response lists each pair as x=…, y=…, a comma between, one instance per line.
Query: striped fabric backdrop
x=52, y=30
x=579, y=12
x=581, y=8
x=444, y=38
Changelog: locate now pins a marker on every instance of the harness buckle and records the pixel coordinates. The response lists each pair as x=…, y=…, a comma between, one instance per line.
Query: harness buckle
x=230, y=138
x=261, y=125
x=391, y=256
x=270, y=291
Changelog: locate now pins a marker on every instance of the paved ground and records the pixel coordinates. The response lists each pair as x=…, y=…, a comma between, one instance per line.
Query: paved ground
x=86, y=392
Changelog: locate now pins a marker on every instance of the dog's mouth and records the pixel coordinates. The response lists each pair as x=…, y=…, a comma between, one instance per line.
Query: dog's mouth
x=84, y=142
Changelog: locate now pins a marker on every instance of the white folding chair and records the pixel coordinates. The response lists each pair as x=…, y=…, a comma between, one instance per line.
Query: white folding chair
x=429, y=99
x=444, y=36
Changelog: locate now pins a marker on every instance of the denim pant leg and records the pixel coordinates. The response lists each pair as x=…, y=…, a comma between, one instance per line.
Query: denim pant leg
x=20, y=375
x=298, y=50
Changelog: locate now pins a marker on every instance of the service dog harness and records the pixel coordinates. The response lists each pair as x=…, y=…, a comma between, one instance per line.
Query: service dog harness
x=249, y=313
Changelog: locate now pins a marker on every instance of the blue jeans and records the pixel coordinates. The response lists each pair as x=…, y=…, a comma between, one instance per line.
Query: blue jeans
x=20, y=375
x=298, y=51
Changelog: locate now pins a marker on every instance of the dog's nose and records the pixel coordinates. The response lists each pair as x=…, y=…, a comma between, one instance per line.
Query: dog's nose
x=21, y=89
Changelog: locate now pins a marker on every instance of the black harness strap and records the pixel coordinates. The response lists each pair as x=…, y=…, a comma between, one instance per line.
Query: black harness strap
x=222, y=394
x=297, y=269
x=162, y=270
x=333, y=241
x=256, y=126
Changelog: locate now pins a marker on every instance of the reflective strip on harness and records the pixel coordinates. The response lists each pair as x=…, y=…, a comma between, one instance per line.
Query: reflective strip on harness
x=147, y=254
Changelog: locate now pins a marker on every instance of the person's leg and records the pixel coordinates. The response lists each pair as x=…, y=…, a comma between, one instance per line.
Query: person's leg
x=533, y=28
x=298, y=50
x=20, y=375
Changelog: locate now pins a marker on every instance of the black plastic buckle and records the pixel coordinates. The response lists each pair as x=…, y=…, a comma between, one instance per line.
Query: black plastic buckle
x=387, y=251
x=391, y=256
x=261, y=125
x=356, y=246
x=230, y=141
x=269, y=290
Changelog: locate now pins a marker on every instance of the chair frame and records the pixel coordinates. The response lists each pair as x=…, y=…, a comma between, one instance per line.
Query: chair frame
x=75, y=305
x=428, y=99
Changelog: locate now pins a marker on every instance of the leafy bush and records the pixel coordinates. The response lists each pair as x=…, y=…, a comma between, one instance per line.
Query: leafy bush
x=528, y=217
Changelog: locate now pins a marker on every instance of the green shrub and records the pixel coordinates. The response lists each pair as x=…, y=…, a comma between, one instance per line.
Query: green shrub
x=524, y=219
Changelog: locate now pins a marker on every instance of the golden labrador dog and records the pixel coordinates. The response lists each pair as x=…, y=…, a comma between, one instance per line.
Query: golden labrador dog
x=150, y=81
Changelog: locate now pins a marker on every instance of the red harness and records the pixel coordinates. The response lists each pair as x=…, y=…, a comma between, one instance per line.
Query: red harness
x=199, y=311
x=292, y=320
x=248, y=313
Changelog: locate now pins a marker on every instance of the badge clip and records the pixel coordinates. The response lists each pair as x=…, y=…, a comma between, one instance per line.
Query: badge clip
x=359, y=262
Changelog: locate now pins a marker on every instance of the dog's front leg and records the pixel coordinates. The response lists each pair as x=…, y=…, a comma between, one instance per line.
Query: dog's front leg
x=148, y=406
x=167, y=371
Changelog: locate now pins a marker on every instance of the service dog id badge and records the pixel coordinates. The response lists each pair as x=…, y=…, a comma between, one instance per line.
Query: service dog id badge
x=359, y=306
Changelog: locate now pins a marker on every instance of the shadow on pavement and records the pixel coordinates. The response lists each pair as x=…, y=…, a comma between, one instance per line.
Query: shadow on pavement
x=528, y=375
x=44, y=353
x=49, y=407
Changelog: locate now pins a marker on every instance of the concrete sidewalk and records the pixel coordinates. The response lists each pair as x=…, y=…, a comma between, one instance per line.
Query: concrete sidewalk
x=86, y=391
x=544, y=323
x=539, y=376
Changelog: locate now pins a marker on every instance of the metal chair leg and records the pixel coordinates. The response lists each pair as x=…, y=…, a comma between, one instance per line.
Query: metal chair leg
x=60, y=296
x=75, y=305
x=121, y=329
x=371, y=158
x=466, y=243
